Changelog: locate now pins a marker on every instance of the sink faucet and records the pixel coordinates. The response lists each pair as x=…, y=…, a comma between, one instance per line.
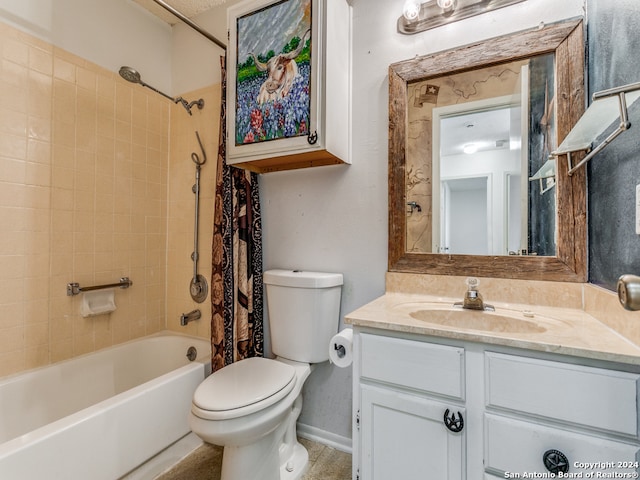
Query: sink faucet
x=185, y=318
x=472, y=297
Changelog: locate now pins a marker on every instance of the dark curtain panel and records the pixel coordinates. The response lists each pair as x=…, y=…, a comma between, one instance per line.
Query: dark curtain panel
x=236, y=283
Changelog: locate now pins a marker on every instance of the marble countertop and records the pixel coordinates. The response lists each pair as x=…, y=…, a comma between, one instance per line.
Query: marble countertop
x=566, y=331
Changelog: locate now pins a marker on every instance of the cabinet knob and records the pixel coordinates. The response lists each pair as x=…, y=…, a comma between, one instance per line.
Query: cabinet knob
x=555, y=461
x=453, y=422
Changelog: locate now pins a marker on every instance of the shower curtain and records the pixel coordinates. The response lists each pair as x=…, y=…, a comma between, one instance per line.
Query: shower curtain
x=236, y=283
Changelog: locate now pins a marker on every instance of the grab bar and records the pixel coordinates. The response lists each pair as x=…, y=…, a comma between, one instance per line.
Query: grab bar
x=75, y=288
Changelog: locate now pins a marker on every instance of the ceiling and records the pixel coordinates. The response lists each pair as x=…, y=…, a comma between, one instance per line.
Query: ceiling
x=189, y=8
x=487, y=129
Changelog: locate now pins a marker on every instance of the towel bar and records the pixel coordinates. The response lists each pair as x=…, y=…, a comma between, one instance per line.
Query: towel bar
x=75, y=288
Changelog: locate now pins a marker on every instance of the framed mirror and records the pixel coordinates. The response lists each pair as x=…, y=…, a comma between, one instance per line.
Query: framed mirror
x=490, y=213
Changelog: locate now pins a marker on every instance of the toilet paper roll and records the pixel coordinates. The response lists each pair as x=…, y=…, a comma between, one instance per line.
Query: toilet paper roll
x=341, y=348
x=97, y=303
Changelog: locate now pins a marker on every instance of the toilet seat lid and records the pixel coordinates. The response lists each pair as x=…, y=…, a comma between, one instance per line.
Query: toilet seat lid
x=244, y=383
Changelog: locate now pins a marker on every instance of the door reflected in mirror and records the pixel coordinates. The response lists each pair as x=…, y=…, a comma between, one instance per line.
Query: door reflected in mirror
x=475, y=138
x=463, y=229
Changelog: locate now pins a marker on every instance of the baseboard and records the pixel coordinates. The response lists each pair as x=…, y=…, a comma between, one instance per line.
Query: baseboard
x=315, y=434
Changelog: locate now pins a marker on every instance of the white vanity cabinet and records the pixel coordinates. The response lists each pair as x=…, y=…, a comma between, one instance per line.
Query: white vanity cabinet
x=519, y=408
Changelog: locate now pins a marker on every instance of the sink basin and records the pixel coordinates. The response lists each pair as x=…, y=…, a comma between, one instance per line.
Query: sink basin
x=478, y=320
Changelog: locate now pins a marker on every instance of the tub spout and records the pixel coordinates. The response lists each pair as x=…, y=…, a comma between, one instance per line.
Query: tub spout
x=185, y=318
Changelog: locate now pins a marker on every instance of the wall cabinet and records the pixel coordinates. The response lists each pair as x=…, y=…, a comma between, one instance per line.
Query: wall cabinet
x=288, y=84
x=524, y=413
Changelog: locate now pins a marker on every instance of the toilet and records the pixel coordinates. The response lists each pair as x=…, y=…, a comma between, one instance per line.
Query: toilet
x=251, y=407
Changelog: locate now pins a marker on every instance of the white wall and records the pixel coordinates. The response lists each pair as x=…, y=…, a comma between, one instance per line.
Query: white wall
x=109, y=33
x=196, y=59
x=335, y=218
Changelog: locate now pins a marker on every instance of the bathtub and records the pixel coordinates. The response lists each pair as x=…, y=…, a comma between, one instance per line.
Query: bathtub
x=100, y=415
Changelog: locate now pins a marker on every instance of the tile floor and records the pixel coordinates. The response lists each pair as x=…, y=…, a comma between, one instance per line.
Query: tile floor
x=325, y=463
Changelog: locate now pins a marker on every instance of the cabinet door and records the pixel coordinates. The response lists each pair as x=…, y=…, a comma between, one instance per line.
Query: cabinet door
x=404, y=436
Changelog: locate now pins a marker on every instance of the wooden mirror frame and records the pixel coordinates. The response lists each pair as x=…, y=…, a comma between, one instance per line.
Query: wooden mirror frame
x=565, y=40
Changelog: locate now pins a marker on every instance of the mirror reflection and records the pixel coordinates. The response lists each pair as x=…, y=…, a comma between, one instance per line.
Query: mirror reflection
x=475, y=139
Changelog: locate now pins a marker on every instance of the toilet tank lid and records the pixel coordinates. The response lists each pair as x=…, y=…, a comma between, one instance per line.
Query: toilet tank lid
x=301, y=278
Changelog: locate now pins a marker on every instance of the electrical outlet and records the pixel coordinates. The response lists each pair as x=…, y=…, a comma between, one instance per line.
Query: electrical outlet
x=638, y=209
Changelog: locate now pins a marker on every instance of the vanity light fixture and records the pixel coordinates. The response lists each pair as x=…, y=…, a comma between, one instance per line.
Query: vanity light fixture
x=607, y=107
x=420, y=16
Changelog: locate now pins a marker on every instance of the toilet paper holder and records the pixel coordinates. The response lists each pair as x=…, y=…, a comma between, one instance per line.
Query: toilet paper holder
x=340, y=349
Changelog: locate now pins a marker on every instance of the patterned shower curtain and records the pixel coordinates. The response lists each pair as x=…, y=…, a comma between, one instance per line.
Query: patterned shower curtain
x=236, y=283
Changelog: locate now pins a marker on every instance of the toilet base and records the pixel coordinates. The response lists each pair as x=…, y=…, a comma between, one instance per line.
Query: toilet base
x=259, y=460
x=263, y=460
x=297, y=464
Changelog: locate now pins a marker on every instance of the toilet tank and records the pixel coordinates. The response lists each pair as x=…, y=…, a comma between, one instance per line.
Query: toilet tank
x=304, y=313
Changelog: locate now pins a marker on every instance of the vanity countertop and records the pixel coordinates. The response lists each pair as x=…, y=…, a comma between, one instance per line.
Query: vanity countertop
x=571, y=331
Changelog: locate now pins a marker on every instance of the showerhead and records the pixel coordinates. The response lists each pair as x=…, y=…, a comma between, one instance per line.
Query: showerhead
x=130, y=74
x=133, y=76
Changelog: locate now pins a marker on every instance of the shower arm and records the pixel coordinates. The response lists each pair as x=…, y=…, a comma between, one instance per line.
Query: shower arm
x=186, y=104
x=192, y=24
x=174, y=100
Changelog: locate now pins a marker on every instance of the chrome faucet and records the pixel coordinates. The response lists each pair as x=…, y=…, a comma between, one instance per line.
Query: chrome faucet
x=185, y=318
x=472, y=297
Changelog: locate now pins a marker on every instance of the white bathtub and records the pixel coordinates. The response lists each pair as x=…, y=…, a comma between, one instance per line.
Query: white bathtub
x=100, y=415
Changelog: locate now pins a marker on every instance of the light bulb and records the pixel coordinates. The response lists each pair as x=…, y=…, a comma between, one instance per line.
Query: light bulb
x=411, y=9
x=470, y=148
x=446, y=4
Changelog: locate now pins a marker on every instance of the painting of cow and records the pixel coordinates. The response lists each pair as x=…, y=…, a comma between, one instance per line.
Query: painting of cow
x=281, y=70
x=273, y=72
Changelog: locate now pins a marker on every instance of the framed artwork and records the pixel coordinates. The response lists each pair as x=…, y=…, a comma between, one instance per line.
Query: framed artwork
x=272, y=73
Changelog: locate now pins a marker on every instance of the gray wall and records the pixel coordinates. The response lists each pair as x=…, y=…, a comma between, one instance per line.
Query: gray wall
x=335, y=218
x=614, y=59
